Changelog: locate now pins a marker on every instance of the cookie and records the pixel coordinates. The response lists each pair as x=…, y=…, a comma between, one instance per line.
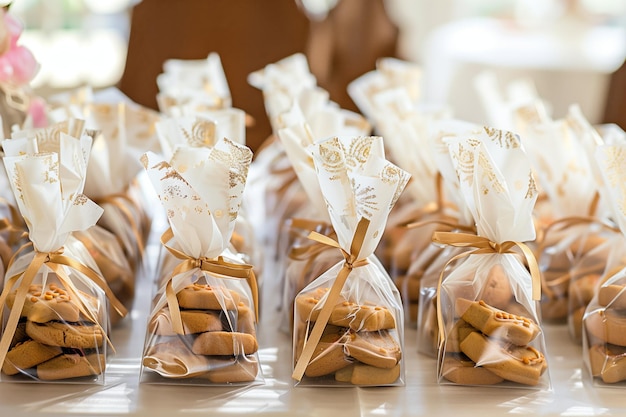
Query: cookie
x=44, y=305
x=459, y=369
x=245, y=319
x=515, y=329
x=457, y=334
x=360, y=374
x=612, y=294
x=582, y=289
x=608, y=362
x=554, y=304
x=575, y=323
x=497, y=290
x=607, y=325
x=358, y=317
x=224, y=343
x=379, y=349
x=232, y=370
x=521, y=364
x=194, y=321
x=27, y=354
x=409, y=287
x=205, y=297
x=329, y=355
x=174, y=360
x=71, y=366
x=54, y=333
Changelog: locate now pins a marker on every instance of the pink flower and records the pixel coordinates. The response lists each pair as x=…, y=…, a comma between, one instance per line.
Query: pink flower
x=17, y=64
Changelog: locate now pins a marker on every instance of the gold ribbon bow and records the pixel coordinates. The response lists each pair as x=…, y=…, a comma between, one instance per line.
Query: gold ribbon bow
x=55, y=261
x=482, y=245
x=351, y=262
x=215, y=266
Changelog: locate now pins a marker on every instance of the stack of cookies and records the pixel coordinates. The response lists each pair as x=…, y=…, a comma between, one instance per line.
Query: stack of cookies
x=488, y=346
x=606, y=334
x=219, y=344
x=360, y=344
x=53, y=340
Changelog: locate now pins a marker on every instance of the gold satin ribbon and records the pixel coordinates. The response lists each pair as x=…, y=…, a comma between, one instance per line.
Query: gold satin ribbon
x=482, y=245
x=214, y=266
x=55, y=261
x=351, y=262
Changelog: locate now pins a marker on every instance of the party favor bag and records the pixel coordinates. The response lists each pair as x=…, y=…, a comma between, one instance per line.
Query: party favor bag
x=348, y=323
x=55, y=300
x=202, y=328
x=488, y=322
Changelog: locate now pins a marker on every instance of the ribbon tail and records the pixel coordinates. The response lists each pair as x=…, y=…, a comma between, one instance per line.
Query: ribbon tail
x=172, y=303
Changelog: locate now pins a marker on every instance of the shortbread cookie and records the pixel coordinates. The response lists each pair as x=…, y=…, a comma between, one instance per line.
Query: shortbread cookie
x=575, y=323
x=607, y=325
x=360, y=374
x=245, y=319
x=175, y=360
x=409, y=287
x=521, y=364
x=232, y=370
x=358, y=317
x=224, y=343
x=379, y=349
x=54, y=333
x=497, y=323
x=582, y=289
x=608, y=362
x=20, y=334
x=554, y=306
x=44, y=305
x=459, y=369
x=329, y=355
x=71, y=366
x=194, y=321
x=497, y=289
x=457, y=334
x=27, y=354
x=612, y=294
x=205, y=297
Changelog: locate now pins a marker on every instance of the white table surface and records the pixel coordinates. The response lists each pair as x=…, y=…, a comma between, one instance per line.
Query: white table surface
x=122, y=394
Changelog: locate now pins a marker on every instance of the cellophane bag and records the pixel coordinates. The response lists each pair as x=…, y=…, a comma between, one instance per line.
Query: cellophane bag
x=55, y=322
x=348, y=323
x=572, y=225
x=604, y=328
x=202, y=327
x=490, y=332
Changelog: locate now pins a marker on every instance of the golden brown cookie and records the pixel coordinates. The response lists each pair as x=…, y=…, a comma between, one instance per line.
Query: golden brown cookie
x=497, y=323
x=54, y=333
x=194, y=321
x=224, y=343
x=360, y=374
x=457, y=333
x=71, y=366
x=521, y=364
x=582, y=289
x=497, y=289
x=379, y=349
x=607, y=325
x=174, y=360
x=329, y=355
x=27, y=354
x=245, y=319
x=608, y=362
x=43, y=305
x=612, y=294
x=205, y=297
x=460, y=369
x=225, y=370
x=358, y=317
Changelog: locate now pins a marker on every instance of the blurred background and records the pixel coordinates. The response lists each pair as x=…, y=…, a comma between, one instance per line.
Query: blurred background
x=572, y=50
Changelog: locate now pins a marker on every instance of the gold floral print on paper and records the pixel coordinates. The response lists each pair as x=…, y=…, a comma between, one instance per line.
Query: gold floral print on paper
x=489, y=172
x=80, y=200
x=332, y=158
x=144, y=161
x=532, y=187
x=391, y=174
x=358, y=151
x=366, y=199
x=202, y=133
x=502, y=138
x=48, y=138
x=616, y=172
x=465, y=163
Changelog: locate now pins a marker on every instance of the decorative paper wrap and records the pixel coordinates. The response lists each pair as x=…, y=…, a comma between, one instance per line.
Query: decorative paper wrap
x=493, y=281
x=603, y=320
x=390, y=74
x=201, y=192
x=191, y=81
x=48, y=190
x=571, y=184
x=306, y=259
x=360, y=188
